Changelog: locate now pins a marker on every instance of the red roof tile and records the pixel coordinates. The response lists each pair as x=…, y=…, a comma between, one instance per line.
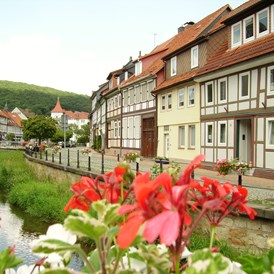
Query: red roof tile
x=224, y=58
x=58, y=107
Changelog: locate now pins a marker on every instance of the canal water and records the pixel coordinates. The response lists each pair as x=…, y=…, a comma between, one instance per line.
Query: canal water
x=19, y=229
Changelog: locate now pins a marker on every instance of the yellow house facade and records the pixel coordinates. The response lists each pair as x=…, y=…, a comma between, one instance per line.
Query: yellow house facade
x=179, y=122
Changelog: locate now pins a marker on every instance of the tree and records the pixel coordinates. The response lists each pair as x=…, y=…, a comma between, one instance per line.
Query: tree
x=10, y=136
x=83, y=134
x=39, y=127
x=59, y=135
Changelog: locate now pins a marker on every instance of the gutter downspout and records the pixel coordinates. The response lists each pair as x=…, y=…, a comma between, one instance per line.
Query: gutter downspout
x=121, y=123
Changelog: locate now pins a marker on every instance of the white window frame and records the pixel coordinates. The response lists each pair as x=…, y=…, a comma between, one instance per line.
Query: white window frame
x=126, y=75
x=194, y=57
x=206, y=88
x=233, y=43
x=144, y=92
x=220, y=124
x=219, y=90
x=137, y=94
x=119, y=100
x=190, y=145
x=268, y=132
x=240, y=85
x=173, y=66
x=269, y=91
x=246, y=40
x=188, y=98
x=272, y=18
x=131, y=92
x=181, y=98
x=207, y=142
x=257, y=23
x=163, y=103
x=138, y=68
x=169, y=101
x=182, y=133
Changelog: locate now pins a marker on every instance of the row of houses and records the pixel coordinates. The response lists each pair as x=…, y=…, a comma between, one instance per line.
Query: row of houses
x=209, y=89
x=10, y=123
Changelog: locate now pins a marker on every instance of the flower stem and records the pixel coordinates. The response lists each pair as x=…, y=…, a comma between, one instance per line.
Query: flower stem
x=84, y=258
x=212, y=235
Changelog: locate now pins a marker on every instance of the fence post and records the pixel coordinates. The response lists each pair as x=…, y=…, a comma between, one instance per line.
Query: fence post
x=52, y=156
x=46, y=155
x=102, y=170
x=239, y=179
x=118, y=157
x=41, y=154
x=78, y=160
x=161, y=166
x=68, y=158
x=60, y=156
x=89, y=169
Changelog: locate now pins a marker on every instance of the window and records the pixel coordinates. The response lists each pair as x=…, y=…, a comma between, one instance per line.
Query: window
x=181, y=136
x=194, y=57
x=222, y=90
x=209, y=132
x=209, y=93
x=244, y=85
x=131, y=96
x=138, y=68
x=144, y=92
x=173, y=66
x=125, y=98
x=236, y=34
x=191, y=96
x=119, y=100
x=249, y=29
x=222, y=133
x=126, y=75
x=270, y=80
x=272, y=16
x=163, y=105
x=191, y=136
x=181, y=98
x=115, y=129
x=137, y=94
x=262, y=22
x=270, y=132
x=116, y=101
x=169, y=101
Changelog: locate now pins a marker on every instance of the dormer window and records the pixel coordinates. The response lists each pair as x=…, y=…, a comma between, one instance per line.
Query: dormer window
x=194, y=57
x=236, y=34
x=126, y=75
x=110, y=84
x=249, y=29
x=173, y=66
x=138, y=68
x=262, y=22
x=118, y=80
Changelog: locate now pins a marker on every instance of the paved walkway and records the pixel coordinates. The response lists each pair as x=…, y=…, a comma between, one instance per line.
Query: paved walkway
x=260, y=189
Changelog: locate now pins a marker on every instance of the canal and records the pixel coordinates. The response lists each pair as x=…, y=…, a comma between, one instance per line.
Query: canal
x=19, y=229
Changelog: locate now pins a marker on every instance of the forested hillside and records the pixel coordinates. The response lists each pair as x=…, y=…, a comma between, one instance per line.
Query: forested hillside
x=40, y=100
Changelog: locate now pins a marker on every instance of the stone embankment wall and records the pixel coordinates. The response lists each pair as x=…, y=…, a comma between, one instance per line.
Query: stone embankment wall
x=240, y=231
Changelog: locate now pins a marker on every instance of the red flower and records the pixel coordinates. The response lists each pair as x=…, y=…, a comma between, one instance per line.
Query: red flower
x=160, y=206
x=85, y=193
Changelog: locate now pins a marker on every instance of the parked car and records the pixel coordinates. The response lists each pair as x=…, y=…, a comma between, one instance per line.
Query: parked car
x=68, y=144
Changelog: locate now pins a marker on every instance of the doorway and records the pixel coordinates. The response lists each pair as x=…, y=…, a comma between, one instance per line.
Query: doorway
x=244, y=140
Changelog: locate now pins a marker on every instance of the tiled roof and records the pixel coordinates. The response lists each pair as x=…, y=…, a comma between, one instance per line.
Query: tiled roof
x=177, y=79
x=224, y=58
x=76, y=115
x=242, y=8
x=58, y=107
x=13, y=118
x=192, y=32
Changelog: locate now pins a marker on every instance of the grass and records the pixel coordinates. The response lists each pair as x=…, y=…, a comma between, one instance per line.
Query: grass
x=41, y=199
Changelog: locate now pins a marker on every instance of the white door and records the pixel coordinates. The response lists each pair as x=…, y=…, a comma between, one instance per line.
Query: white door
x=166, y=150
x=245, y=144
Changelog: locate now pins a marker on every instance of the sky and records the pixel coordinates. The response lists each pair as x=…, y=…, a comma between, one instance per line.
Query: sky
x=73, y=45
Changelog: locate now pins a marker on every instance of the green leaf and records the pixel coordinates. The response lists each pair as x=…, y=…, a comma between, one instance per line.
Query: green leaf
x=84, y=225
x=100, y=207
x=50, y=246
x=8, y=260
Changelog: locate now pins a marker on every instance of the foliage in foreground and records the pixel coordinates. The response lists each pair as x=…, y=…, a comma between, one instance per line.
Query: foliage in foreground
x=40, y=199
x=132, y=216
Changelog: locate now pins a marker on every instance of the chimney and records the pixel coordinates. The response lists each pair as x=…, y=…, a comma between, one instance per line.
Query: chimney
x=130, y=58
x=140, y=53
x=180, y=29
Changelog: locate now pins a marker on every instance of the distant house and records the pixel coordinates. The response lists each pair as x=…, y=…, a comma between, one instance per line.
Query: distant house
x=78, y=118
x=23, y=113
x=10, y=123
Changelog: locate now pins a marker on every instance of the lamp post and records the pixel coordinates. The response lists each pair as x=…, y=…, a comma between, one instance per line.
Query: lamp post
x=102, y=150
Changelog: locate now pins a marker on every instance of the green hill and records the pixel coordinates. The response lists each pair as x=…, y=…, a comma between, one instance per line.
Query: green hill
x=40, y=100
